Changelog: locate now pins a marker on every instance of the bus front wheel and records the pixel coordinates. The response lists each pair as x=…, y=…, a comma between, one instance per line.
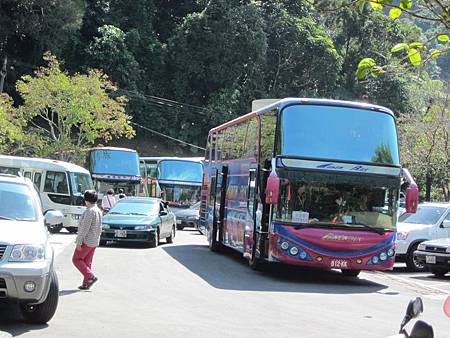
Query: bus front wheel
x=351, y=273
x=255, y=262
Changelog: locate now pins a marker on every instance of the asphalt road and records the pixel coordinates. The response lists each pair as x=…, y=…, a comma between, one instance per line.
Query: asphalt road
x=183, y=289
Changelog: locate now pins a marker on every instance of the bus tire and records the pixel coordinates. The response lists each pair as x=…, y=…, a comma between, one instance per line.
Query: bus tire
x=351, y=273
x=254, y=262
x=54, y=229
x=213, y=245
x=72, y=230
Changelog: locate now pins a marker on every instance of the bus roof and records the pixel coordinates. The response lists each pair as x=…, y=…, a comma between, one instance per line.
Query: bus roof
x=291, y=100
x=194, y=159
x=39, y=163
x=113, y=148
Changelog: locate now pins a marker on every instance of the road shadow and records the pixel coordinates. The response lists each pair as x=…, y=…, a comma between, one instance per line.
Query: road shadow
x=130, y=245
x=68, y=292
x=229, y=271
x=11, y=321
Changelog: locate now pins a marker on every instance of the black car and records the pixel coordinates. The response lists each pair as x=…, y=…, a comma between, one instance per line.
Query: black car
x=435, y=255
x=187, y=217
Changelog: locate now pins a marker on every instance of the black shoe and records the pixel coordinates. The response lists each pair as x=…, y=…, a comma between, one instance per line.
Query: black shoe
x=91, y=282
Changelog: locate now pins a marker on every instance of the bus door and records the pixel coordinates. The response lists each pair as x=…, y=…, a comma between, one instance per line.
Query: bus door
x=216, y=233
x=252, y=227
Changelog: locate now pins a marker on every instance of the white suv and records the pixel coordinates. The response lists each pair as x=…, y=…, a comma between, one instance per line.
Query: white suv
x=431, y=221
x=26, y=255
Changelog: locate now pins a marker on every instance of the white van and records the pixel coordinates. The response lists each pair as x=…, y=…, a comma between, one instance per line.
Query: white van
x=60, y=184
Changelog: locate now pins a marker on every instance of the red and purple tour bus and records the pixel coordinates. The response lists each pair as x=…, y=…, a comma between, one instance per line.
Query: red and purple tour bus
x=307, y=182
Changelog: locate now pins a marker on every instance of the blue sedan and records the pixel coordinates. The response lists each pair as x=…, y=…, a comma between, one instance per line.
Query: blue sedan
x=137, y=219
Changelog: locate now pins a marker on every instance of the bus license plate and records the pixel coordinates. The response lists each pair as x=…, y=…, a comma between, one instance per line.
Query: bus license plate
x=339, y=264
x=120, y=233
x=430, y=259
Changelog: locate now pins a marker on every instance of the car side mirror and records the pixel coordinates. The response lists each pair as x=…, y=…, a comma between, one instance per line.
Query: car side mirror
x=446, y=224
x=53, y=217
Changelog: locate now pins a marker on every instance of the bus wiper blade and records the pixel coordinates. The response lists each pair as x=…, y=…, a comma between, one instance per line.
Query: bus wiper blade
x=377, y=230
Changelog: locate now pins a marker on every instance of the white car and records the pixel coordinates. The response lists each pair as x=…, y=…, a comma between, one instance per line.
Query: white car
x=431, y=221
x=27, y=276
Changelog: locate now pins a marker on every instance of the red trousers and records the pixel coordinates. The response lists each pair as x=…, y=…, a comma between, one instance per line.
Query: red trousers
x=82, y=259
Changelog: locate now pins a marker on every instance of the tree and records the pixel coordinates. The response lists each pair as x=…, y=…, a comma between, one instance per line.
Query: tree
x=66, y=114
x=425, y=141
x=11, y=123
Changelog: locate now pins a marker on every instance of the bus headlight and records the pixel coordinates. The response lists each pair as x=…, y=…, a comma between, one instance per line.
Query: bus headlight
x=383, y=256
x=293, y=251
x=284, y=245
x=27, y=253
x=391, y=252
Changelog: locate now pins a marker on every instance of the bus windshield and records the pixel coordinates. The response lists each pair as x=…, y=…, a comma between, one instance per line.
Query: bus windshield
x=80, y=183
x=179, y=170
x=338, y=133
x=114, y=162
x=334, y=203
x=180, y=195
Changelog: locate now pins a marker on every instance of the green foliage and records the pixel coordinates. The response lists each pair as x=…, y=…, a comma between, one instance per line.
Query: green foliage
x=66, y=113
x=11, y=124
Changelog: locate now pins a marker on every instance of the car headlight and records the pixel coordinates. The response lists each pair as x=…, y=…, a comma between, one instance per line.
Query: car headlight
x=105, y=226
x=140, y=227
x=27, y=253
x=402, y=235
x=421, y=247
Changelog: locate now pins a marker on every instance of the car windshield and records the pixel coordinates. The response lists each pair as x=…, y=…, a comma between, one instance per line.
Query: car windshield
x=424, y=215
x=196, y=206
x=138, y=207
x=80, y=183
x=17, y=202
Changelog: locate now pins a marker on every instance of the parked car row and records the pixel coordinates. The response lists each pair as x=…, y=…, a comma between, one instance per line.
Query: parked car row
x=423, y=238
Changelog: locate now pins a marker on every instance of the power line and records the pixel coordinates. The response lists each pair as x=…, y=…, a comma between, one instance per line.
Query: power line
x=167, y=136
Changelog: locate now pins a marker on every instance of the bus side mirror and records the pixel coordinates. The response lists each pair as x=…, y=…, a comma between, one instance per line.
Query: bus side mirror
x=272, y=189
x=412, y=193
x=412, y=199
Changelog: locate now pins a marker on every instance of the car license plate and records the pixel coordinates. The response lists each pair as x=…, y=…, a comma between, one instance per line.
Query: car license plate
x=120, y=233
x=178, y=221
x=430, y=259
x=339, y=264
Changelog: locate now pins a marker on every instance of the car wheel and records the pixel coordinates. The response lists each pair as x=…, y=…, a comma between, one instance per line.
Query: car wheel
x=169, y=239
x=412, y=262
x=54, y=229
x=72, y=230
x=438, y=272
x=351, y=273
x=42, y=313
x=155, y=240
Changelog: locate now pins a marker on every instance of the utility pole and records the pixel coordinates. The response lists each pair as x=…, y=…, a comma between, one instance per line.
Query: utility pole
x=3, y=74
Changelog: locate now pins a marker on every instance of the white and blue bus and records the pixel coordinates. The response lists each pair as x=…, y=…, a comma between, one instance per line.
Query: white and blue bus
x=115, y=168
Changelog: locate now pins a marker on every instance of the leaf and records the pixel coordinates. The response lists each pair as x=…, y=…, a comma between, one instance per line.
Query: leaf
x=361, y=5
x=394, y=13
x=376, y=5
x=406, y=4
x=365, y=66
x=435, y=53
x=414, y=57
x=417, y=44
x=399, y=46
x=443, y=38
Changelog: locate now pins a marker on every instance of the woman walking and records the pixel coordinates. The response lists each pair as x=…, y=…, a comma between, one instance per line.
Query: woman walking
x=88, y=239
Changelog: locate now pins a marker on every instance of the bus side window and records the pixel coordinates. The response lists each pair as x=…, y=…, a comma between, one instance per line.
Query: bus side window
x=56, y=182
x=268, y=127
x=27, y=174
x=251, y=139
x=37, y=180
